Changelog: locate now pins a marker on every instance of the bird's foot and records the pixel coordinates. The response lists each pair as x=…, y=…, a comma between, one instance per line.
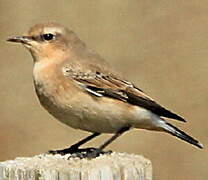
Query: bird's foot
x=70, y=150
x=90, y=153
x=80, y=153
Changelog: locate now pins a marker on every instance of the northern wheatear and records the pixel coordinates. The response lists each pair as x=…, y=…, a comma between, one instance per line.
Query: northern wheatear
x=78, y=87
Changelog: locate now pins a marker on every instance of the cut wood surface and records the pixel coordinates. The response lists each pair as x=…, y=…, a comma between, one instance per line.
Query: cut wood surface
x=114, y=166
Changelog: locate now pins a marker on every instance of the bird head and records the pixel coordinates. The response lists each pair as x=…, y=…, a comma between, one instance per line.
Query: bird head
x=47, y=40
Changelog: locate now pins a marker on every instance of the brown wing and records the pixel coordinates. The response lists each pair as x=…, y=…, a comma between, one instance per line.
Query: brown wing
x=98, y=84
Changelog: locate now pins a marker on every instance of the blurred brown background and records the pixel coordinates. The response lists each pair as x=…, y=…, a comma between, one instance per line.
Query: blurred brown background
x=159, y=45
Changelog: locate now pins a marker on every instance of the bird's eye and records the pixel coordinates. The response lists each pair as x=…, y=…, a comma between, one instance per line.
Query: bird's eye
x=47, y=37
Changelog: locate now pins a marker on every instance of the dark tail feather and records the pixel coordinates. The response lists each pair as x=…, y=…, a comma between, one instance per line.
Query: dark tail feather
x=182, y=135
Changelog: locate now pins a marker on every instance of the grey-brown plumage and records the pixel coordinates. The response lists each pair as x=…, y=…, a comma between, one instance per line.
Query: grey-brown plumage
x=80, y=89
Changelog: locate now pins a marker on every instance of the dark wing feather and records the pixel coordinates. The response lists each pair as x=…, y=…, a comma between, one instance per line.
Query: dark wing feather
x=152, y=106
x=99, y=85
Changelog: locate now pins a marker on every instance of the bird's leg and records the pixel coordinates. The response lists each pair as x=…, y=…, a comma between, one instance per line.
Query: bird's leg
x=99, y=150
x=115, y=136
x=75, y=147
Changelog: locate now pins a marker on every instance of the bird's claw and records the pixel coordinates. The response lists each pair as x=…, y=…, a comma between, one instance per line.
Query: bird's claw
x=88, y=153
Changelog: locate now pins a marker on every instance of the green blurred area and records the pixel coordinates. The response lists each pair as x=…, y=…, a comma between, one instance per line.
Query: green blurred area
x=161, y=46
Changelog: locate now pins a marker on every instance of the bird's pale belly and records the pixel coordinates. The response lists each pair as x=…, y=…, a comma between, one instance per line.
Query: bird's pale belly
x=91, y=114
x=89, y=117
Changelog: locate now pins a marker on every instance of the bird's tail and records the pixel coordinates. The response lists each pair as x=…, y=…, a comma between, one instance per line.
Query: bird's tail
x=182, y=135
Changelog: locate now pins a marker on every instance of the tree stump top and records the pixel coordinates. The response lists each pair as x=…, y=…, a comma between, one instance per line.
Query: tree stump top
x=113, y=166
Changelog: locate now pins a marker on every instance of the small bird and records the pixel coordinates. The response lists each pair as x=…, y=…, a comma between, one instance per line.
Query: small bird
x=79, y=88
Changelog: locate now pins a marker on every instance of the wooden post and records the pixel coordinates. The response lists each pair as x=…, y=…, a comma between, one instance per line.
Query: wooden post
x=115, y=166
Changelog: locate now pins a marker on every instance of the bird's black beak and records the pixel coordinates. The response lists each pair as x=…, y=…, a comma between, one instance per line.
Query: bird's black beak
x=20, y=39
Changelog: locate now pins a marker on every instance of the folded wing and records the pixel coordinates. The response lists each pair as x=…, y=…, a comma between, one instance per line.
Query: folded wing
x=100, y=84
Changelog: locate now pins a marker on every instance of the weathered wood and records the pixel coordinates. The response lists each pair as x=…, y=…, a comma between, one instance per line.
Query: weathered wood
x=116, y=166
